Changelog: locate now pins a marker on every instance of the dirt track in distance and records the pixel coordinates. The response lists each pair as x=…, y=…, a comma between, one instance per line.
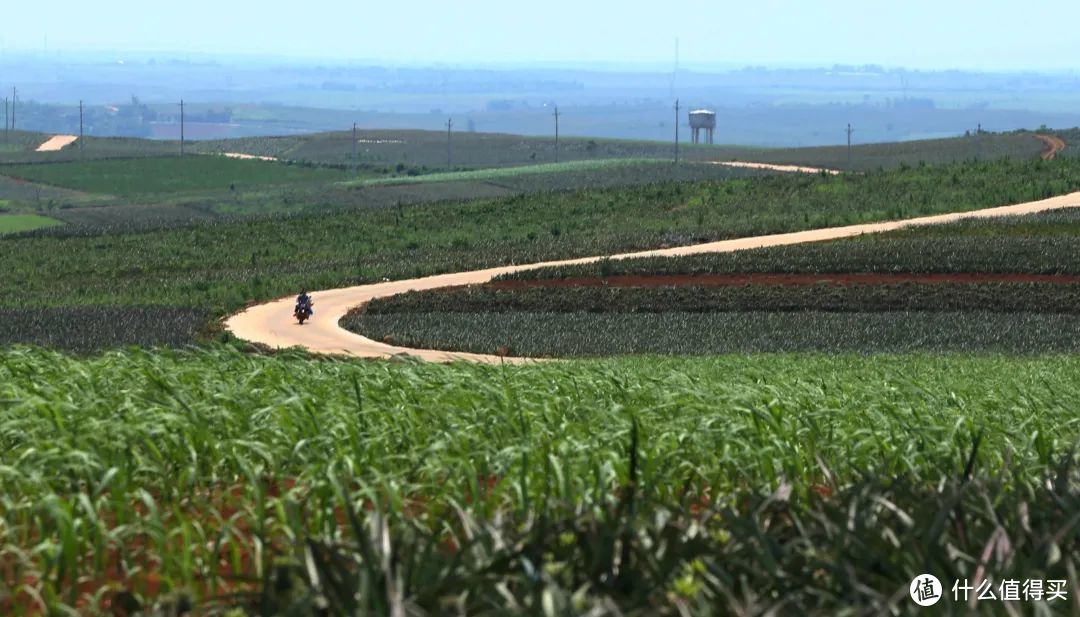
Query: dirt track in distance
x=247, y=157
x=57, y=142
x=772, y=167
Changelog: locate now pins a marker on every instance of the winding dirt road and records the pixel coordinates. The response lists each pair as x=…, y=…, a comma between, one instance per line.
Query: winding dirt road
x=57, y=142
x=271, y=324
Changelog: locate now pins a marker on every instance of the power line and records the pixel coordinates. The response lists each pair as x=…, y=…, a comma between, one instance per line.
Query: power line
x=557, y=114
x=849, y=132
x=181, y=127
x=449, y=127
x=676, y=131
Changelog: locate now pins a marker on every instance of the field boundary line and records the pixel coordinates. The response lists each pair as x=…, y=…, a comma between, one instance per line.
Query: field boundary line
x=271, y=323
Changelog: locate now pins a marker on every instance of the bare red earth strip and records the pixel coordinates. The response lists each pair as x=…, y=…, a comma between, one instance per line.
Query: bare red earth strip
x=721, y=280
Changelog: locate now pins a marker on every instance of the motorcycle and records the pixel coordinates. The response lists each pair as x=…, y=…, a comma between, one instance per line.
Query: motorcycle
x=303, y=312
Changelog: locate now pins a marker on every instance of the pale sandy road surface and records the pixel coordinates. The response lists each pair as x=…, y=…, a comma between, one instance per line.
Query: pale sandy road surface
x=770, y=166
x=272, y=324
x=247, y=157
x=57, y=142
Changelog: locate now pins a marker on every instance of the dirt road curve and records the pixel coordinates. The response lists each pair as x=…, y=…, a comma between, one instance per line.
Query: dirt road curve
x=272, y=324
x=57, y=142
x=1054, y=145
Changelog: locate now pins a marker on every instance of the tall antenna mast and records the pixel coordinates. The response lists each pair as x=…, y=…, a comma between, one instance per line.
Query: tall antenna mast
x=676, y=131
x=449, y=127
x=556, y=133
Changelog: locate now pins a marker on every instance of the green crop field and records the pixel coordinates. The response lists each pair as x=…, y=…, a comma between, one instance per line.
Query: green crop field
x=14, y=142
x=394, y=168
x=220, y=265
x=331, y=189
x=691, y=295
x=11, y=223
x=583, y=334
x=484, y=150
x=167, y=175
x=1045, y=243
x=21, y=195
x=92, y=148
x=728, y=485
x=553, y=169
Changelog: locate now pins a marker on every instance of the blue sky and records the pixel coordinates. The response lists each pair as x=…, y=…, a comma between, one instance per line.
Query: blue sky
x=989, y=34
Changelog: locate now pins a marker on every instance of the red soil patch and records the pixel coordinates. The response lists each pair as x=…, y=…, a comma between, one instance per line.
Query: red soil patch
x=135, y=565
x=722, y=280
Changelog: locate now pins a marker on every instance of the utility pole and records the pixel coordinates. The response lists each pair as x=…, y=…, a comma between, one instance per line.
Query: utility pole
x=356, y=164
x=181, y=127
x=80, y=127
x=14, y=100
x=676, y=131
x=849, y=131
x=556, y=133
x=449, y=127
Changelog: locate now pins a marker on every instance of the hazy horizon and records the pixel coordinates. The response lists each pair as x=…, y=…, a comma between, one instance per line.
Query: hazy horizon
x=916, y=35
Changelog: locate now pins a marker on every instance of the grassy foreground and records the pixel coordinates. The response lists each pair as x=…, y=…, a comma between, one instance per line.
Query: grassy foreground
x=730, y=485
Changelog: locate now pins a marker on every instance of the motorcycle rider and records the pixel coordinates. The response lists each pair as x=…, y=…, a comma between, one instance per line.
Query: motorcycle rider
x=303, y=302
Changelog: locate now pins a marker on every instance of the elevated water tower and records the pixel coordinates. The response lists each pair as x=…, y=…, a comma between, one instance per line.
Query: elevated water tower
x=703, y=119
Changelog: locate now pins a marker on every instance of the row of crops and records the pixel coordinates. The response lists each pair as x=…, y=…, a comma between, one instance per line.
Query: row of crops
x=220, y=187
x=153, y=175
x=580, y=334
x=687, y=297
x=86, y=329
x=732, y=485
x=1045, y=243
x=1002, y=286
